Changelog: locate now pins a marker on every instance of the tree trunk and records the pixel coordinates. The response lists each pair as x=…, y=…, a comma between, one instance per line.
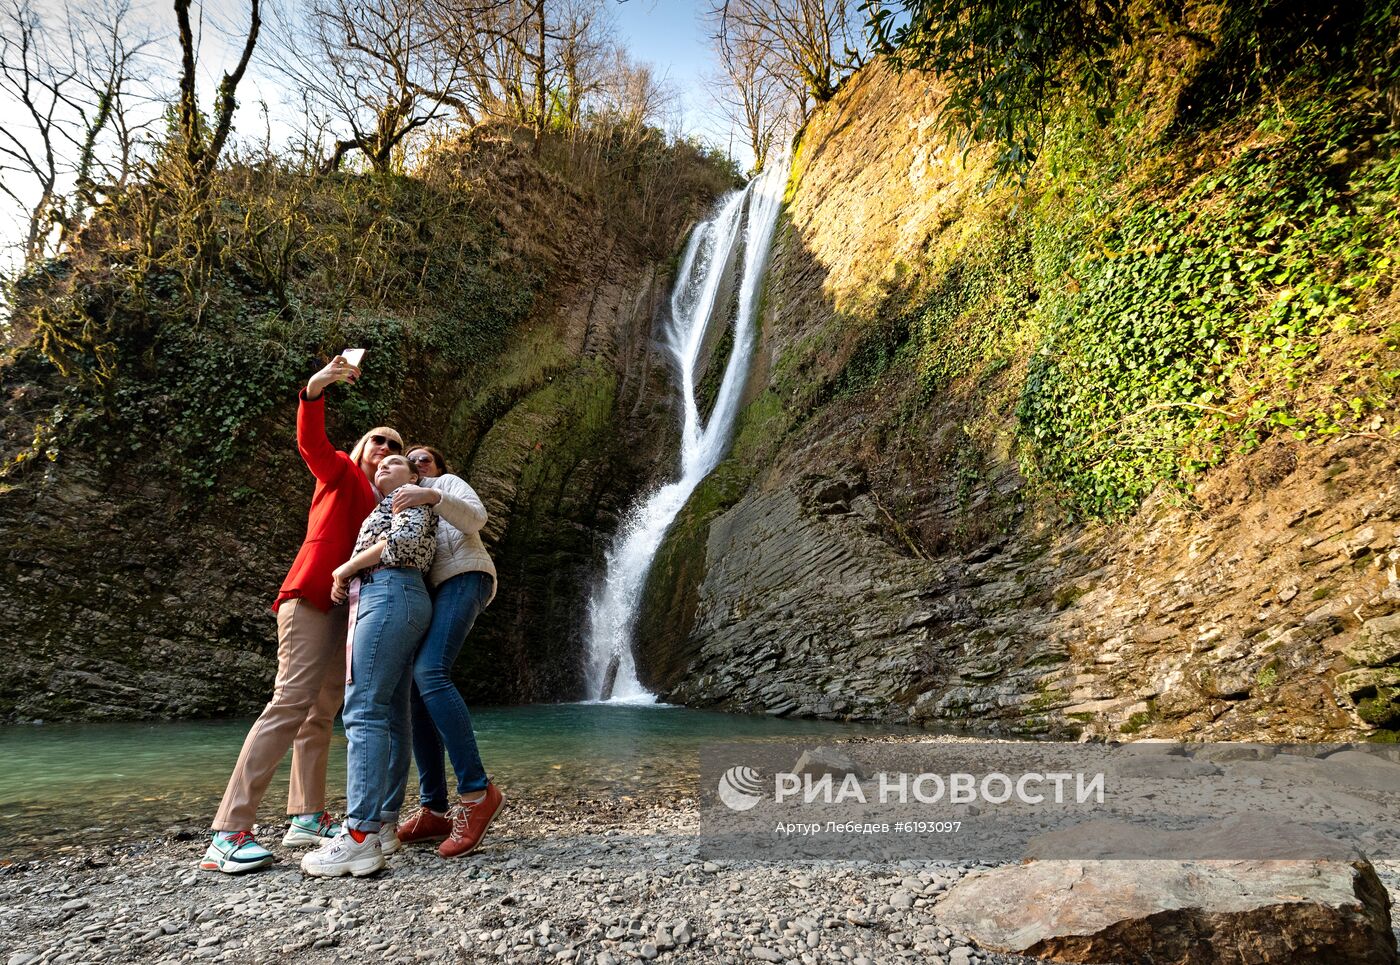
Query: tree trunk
x=539, y=79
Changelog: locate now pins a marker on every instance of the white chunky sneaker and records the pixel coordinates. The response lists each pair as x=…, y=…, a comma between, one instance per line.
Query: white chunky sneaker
x=389, y=838
x=343, y=855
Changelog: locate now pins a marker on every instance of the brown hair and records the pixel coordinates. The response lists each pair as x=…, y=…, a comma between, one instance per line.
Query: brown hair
x=359, y=449
x=432, y=451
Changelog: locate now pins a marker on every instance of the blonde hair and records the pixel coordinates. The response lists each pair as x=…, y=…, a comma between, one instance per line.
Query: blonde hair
x=360, y=446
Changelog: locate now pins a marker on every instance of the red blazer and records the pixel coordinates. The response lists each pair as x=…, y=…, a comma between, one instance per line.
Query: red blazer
x=343, y=498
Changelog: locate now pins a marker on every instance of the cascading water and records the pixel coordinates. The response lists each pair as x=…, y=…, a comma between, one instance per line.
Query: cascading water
x=752, y=213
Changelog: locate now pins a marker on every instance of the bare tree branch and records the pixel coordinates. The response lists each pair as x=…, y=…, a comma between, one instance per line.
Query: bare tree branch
x=71, y=80
x=203, y=153
x=378, y=68
x=805, y=45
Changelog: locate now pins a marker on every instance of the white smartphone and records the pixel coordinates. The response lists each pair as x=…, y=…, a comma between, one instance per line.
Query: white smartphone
x=353, y=356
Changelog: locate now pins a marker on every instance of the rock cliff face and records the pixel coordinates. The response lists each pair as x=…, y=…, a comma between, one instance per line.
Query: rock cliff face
x=125, y=598
x=556, y=470
x=871, y=550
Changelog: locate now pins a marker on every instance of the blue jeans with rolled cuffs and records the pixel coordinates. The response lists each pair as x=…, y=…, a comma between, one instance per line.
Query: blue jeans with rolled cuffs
x=394, y=613
x=439, y=714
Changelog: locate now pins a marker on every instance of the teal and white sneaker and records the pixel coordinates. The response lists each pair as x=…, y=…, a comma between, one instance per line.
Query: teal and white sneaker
x=233, y=854
x=311, y=829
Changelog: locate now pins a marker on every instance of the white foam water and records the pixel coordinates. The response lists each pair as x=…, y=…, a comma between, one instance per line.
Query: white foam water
x=742, y=220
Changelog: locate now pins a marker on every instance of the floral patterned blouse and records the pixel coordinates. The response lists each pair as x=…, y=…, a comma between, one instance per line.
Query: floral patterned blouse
x=411, y=535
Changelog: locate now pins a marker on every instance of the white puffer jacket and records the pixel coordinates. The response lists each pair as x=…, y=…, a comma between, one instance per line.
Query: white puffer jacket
x=459, y=546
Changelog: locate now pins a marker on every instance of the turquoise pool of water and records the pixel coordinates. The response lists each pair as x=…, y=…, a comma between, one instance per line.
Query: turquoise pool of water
x=65, y=787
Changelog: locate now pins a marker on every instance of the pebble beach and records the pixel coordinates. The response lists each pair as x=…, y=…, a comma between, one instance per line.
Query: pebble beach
x=583, y=881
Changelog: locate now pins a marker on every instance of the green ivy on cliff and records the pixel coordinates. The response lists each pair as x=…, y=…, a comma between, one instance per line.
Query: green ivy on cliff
x=1188, y=326
x=1159, y=310
x=1191, y=268
x=190, y=384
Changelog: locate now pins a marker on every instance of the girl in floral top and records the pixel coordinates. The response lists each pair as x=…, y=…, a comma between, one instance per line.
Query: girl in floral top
x=387, y=538
x=390, y=613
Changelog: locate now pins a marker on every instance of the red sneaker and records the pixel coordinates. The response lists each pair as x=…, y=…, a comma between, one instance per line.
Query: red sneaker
x=470, y=819
x=424, y=825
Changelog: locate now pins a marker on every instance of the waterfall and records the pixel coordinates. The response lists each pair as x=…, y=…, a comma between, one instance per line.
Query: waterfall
x=750, y=214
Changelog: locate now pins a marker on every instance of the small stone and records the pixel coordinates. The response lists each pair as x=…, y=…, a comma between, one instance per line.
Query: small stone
x=1287, y=593
x=960, y=956
x=649, y=950
x=77, y=904
x=1377, y=644
x=902, y=900
x=709, y=867
x=765, y=954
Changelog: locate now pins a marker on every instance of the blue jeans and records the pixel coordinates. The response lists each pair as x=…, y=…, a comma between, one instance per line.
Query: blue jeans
x=439, y=714
x=393, y=615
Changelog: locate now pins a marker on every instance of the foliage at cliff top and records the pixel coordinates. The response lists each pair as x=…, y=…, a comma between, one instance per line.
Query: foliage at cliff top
x=1010, y=65
x=184, y=315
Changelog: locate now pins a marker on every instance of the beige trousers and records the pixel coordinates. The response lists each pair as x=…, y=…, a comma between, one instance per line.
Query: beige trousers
x=309, y=689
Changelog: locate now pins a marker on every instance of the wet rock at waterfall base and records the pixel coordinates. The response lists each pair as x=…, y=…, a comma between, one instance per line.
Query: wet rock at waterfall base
x=609, y=678
x=1224, y=912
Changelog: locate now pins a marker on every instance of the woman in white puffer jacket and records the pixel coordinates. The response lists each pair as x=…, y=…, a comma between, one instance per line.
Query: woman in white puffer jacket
x=462, y=582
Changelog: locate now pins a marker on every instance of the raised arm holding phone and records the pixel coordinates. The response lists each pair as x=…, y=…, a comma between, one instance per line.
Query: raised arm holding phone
x=309, y=686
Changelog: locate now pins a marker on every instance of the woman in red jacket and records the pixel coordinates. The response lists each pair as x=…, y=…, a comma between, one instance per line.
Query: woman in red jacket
x=310, y=682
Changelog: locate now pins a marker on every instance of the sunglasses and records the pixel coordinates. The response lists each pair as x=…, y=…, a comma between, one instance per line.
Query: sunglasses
x=422, y=459
x=393, y=444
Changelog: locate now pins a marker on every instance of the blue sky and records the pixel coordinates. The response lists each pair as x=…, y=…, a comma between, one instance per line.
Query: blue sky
x=668, y=33
x=672, y=36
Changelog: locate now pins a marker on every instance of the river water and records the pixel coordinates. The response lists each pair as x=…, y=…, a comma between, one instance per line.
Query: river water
x=67, y=787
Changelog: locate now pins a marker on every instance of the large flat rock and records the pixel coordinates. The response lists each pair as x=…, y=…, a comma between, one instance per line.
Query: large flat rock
x=1226, y=912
